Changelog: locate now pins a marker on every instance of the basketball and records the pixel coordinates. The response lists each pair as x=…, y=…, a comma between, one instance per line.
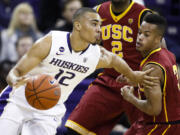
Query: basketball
x=42, y=92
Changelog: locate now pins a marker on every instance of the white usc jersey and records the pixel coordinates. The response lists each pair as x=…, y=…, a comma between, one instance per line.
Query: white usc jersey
x=69, y=68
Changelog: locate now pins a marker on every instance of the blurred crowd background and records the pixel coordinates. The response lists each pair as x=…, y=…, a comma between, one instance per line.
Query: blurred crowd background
x=24, y=21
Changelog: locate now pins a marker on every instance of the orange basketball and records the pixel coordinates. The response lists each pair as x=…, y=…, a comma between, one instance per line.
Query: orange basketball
x=42, y=92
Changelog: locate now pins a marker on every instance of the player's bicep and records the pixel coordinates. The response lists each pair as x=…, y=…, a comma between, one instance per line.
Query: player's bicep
x=154, y=94
x=35, y=55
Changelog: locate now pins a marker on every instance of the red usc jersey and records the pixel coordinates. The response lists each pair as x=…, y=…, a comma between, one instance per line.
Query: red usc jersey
x=119, y=33
x=171, y=89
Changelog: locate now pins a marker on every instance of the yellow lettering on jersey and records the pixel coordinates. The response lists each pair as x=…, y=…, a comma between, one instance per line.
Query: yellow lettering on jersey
x=106, y=32
x=175, y=70
x=117, y=48
x=116, y=30
x=127, y=30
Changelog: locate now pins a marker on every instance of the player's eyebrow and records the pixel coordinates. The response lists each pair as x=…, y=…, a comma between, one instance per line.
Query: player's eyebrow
x=147, y=31
x=96, y=20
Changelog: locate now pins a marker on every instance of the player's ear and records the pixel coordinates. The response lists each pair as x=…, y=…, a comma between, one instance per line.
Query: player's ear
x=77, y=25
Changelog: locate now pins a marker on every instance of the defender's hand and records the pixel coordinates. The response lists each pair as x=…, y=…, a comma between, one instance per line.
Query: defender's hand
x=123, y=79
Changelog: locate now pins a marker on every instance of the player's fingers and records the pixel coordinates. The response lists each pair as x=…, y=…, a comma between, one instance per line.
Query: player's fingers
x=16, y=86
x=151, y=78
x=149, y=83
x=149, y=70
x=131, y=89
x=147, y=87
x=21, y=81
x=122, y=91
x=121, y=78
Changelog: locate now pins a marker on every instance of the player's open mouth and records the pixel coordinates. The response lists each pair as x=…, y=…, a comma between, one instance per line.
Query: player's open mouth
x=138, y=44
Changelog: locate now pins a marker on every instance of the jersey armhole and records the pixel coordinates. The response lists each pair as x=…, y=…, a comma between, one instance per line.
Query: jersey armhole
x=97, y=8
x=142, y=15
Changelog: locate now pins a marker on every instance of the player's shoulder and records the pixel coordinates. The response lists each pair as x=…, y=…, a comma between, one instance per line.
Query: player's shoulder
x=102, y=6
x=55, y=32
x=59, y=35
x=139, y=7
x=169, y=54
x=157, y=69
x=93, y=49
x=94, y=46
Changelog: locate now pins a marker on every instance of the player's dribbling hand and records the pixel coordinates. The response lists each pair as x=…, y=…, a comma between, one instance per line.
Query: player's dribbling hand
x=127, y=92
x=20, y=81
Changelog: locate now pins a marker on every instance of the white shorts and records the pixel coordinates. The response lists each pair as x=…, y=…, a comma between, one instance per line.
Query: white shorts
x=15, y=119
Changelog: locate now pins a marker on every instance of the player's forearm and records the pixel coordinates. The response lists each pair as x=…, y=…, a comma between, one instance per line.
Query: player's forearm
x=143, y=105
x=122, y=67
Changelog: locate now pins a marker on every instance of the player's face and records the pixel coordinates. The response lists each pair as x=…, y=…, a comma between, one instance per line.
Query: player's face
x=148, y=38
x=90, y=27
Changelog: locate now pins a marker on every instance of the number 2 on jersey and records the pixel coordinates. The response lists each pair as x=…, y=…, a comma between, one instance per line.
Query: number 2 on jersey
x=117, y=48
x=62, y=76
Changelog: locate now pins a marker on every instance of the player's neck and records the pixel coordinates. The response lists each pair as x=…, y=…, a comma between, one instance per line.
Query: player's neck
x=77, y=43
x=120, y=7
x=146, y=53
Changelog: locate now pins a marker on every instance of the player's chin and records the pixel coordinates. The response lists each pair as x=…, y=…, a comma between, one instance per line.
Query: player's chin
x=138, y=48
x=94, y=42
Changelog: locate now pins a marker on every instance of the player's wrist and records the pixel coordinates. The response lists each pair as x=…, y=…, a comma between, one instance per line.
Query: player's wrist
x=132, y=76
x=12, y=78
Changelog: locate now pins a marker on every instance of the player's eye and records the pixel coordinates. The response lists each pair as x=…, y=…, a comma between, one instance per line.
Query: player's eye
x=146, y=35
x=94, y=24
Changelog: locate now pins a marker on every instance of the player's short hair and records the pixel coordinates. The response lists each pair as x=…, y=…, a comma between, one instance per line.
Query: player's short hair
x=158, y=20
x=80, y=12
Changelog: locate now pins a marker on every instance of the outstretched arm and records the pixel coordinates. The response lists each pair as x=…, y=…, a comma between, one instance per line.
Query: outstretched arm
x=31, y=59
x=152, y=105
x=110, y=60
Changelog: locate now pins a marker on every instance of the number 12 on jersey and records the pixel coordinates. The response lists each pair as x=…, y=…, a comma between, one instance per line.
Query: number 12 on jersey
x=64, y=75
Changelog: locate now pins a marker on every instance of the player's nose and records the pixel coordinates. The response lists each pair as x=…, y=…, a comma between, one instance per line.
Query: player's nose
x=141, y=36
x=98, y=29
